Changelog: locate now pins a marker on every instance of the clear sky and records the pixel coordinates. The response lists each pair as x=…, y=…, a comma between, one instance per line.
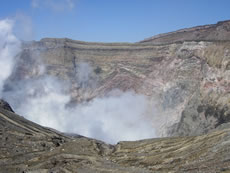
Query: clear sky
x=111, y=20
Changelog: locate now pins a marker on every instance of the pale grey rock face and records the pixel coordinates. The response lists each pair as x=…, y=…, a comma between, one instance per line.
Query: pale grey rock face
x=188, y=80
x=181, y=78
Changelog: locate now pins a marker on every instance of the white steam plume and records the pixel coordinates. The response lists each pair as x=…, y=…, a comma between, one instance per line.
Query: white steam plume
x=115, y=117
x=111, y=119
x=9, y=48
x=44, y=99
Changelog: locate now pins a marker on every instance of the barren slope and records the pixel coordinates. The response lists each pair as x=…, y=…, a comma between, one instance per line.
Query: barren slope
x=29, y=148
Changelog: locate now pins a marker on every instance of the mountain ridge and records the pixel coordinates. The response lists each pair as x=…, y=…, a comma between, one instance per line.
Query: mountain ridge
x=208, y=35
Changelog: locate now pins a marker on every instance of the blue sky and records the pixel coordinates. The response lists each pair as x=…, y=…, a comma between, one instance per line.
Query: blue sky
x=111, y=20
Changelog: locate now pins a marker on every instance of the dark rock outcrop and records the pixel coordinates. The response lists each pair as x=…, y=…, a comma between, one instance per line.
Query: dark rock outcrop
x=5, y=105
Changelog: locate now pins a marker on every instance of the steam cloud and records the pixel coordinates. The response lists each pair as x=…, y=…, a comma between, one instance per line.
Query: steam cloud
x=9, y=48
x=44, y=99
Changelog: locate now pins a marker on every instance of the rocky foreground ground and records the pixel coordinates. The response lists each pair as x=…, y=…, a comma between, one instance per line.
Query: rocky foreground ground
x=29, y=148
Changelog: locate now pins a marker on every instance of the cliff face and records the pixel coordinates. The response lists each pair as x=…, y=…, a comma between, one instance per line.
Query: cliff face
x=185, y=77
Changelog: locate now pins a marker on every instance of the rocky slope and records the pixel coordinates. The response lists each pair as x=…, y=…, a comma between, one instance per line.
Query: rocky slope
x=29, y=148
x=185, y=77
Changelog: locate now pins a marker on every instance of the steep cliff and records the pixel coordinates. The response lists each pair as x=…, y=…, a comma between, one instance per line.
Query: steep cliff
x=185, y=77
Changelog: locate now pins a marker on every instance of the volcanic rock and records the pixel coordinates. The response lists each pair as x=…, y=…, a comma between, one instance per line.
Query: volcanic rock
x=5, y=105
x=185, y=74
